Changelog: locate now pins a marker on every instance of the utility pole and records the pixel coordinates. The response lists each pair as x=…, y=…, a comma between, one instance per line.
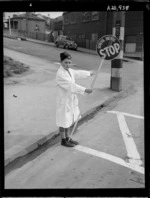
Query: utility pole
x=9, y=26
x=116, y=64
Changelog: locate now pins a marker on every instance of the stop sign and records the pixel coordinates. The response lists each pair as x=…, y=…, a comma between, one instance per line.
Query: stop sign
x=108, y=47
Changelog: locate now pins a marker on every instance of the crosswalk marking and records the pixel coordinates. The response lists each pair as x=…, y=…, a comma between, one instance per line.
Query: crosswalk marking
x=132, y=152
x=109, y=157
x=127, y=114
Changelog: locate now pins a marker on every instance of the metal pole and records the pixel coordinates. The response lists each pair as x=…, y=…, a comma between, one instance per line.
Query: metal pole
x=141, y=34
x=9, y=26
x=92, y=84
x=116, y=64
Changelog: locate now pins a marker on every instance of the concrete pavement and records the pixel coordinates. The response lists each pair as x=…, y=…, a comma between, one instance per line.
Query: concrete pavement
x=30, y=118
x=104, y=158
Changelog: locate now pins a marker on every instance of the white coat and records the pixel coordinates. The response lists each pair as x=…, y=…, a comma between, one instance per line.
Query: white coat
x=67, y=110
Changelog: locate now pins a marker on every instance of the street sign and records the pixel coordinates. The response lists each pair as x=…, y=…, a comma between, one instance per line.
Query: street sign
x=108, y=47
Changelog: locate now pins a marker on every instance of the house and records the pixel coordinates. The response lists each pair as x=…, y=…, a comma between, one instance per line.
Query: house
x=87, y=27
x=49, y=26
x=47, y=20
x=28, y=24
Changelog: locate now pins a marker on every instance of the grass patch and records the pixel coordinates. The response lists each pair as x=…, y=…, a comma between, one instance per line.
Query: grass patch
x=13, y=67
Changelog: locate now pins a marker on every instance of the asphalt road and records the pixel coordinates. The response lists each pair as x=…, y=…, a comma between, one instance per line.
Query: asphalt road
x=111, y=150
x=108, y=142
x=52, y=53
x=132, y=71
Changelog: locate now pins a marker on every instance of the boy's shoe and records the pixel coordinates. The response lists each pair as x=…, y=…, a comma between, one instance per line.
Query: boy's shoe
x=72, y=141
x=64, y=142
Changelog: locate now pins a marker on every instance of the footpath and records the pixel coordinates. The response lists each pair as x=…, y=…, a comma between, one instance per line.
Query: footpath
x=30, y=117
x=136, y=55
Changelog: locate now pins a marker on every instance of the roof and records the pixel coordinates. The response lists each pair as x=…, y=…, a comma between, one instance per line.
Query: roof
x=43, y=17
x=29, y=17
x=60, y=18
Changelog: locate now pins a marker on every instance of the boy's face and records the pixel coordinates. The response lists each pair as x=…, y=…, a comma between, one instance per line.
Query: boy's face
x=66, y=63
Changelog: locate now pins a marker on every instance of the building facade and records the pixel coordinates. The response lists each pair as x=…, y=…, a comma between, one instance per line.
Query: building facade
x=87, y=27
x=28, y=24
x=58, y=27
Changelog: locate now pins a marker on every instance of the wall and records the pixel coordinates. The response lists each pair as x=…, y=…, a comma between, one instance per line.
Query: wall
x=85, y=33
x=32, y=24
x=22, y=25
x=134, y=30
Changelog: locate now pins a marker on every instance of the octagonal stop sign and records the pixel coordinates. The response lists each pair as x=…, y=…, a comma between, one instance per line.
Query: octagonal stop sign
x=108, y=47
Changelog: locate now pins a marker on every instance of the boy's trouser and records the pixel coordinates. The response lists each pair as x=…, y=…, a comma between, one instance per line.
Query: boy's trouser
x=64, y=132
x=61, y=129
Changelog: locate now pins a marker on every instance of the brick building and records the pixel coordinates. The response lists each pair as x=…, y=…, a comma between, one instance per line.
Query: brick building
x=87, y=27
x=58, y=26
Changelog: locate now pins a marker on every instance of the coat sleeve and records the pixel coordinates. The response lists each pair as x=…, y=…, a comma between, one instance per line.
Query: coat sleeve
x=68, y=85
x=78, y=74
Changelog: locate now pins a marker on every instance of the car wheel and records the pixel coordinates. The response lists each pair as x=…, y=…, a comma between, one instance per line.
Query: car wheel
x=66, y=46
x=57, y=45
x=76, y=49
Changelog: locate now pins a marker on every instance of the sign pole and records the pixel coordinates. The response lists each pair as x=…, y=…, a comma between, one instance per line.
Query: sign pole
x=94, y=79
x=117, y=63
x=108, y=47
x=92, y=85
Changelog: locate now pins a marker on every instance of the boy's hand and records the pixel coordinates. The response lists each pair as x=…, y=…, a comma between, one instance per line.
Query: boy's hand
x=88, y=91
x=92, y=72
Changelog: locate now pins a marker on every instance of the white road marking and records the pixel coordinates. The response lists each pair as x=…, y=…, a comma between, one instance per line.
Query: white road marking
x=111, y=158
x=132, y=152
x=127, y=114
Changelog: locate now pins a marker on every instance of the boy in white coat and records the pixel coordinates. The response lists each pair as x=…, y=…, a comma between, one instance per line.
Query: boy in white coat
x=67, y=110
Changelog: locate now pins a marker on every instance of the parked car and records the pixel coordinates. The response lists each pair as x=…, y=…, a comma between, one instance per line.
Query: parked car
x=66, y=42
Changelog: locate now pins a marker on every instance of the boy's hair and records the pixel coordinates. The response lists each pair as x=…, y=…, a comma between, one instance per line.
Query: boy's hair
x=65, y=55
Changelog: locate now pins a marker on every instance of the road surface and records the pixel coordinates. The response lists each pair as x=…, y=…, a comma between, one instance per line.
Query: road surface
x=110, y=154
x=111, y=150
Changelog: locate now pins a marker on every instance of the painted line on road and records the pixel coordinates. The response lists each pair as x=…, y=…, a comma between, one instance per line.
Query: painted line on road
x=132, y=152
x=127, y=114
x=111, y=158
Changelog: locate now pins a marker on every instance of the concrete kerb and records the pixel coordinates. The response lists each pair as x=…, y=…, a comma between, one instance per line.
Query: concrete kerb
x=51, y=137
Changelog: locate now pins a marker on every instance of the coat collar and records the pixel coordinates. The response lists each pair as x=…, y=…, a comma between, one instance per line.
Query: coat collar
x=67, y=72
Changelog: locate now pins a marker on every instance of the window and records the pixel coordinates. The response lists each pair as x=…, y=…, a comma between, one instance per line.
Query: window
x=79, y=17
x=66, y=19
x=15, y=24
x=73, y=18
x=95, y=16
x=86, y=16
x=37, y=27
x=81, y=36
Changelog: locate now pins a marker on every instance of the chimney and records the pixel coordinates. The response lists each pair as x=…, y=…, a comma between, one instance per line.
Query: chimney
x=28, y=14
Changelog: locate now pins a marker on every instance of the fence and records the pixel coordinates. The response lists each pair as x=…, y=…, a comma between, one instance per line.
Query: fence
x=32, y=35
x=86, y=43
